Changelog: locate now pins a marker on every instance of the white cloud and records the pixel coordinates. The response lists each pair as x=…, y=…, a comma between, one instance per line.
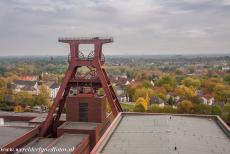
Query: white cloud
x=137, y=25
x=195, y=33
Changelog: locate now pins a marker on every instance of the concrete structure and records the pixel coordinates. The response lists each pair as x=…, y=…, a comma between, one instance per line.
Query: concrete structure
x=135, y=133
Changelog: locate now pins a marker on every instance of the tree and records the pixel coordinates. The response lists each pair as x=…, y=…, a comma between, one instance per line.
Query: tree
x=23, y=98
x=142, y=92
x=130, y=90
x=146, y=84
x=43, y=97
x=168, y=109
x=186, y=93
x=216, y=110
x=226, y=113
x=209, y=84
x=168, y=82
x=227, y=79
x=170, y=101
x=155, y=108
x=3, y=83
x=222, y=93
x=178, y=72
x=2, y=70
x=185, y=107
x=139, y=108
x=2, y=95
x=143, y=102
x=202, y=109
x=191, y=82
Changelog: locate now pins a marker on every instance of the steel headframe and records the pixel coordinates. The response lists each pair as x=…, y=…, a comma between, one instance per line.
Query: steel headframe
x=75, y=62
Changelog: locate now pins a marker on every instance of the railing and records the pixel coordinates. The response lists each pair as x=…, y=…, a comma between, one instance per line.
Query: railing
x=90, y=56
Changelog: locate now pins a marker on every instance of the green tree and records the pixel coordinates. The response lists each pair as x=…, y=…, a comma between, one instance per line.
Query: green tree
x=168, y=109
x=168, y=82
x=222, y=92
x=186, y=92
x=226, y=112
x=23, y=98
x=142, y=92
x=155, y=108
x=170, y=101
x=191, y=82
x=2, y=70
x=202, y=109
x=43, y=97
x=217, y=110
x=185, y=107
x=227, y=79
x=139, y=108
x=130, y=90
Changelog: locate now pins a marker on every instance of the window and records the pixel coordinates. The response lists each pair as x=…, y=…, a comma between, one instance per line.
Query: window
x=83, y=112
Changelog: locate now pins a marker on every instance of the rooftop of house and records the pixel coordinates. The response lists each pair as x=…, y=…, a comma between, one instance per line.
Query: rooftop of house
x=54, y=85
x=25, y=82
x=164, y=134
x=207, y=96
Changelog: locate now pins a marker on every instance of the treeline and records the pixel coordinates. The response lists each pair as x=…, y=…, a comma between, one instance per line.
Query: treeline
x=187, y=107
x=8, y=99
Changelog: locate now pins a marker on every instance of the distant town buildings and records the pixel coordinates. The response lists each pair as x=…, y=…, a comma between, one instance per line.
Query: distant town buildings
x=32, y=87
x=25, y=85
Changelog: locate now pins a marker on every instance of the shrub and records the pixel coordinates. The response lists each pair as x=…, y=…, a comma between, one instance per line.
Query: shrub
x=185, y=107
x=202, y=109
x=155, y=108
x=139, y=108
x=216, y=110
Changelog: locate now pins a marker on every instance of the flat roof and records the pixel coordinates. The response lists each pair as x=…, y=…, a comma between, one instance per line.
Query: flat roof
x=80, y=125
x=164, y=134
x=38, y=142
x=68, y=142
x=8, y=134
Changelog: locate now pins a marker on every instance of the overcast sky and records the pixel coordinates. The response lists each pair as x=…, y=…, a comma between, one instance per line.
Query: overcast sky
x=32, y=27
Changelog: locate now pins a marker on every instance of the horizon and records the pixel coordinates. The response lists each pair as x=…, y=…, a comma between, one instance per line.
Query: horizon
x=132, y=55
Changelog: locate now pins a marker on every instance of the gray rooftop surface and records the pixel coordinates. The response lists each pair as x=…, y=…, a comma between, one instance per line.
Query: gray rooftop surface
x=158, y=134
x=8, y=134
x=80, y=125
x=35, y=144
x=68, y=142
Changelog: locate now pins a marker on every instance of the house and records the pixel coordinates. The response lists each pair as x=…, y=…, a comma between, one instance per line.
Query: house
x=121, y=94
x=173, y=95
x=28, y=78
x=120, y=83
x=156, y=100
x=207, y=99
x=24, y=85
x=53, y=88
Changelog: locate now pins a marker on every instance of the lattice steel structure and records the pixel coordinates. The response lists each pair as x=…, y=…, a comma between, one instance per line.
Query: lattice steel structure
x=96, y=78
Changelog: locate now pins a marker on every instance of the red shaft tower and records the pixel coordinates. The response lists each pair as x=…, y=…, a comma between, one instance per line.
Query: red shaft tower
x=97, y=78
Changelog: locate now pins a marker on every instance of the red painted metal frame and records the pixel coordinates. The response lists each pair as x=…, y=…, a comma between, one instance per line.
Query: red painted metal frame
x=75, y=62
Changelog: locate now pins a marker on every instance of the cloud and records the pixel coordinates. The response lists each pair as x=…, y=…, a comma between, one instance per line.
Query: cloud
x=150, y=26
